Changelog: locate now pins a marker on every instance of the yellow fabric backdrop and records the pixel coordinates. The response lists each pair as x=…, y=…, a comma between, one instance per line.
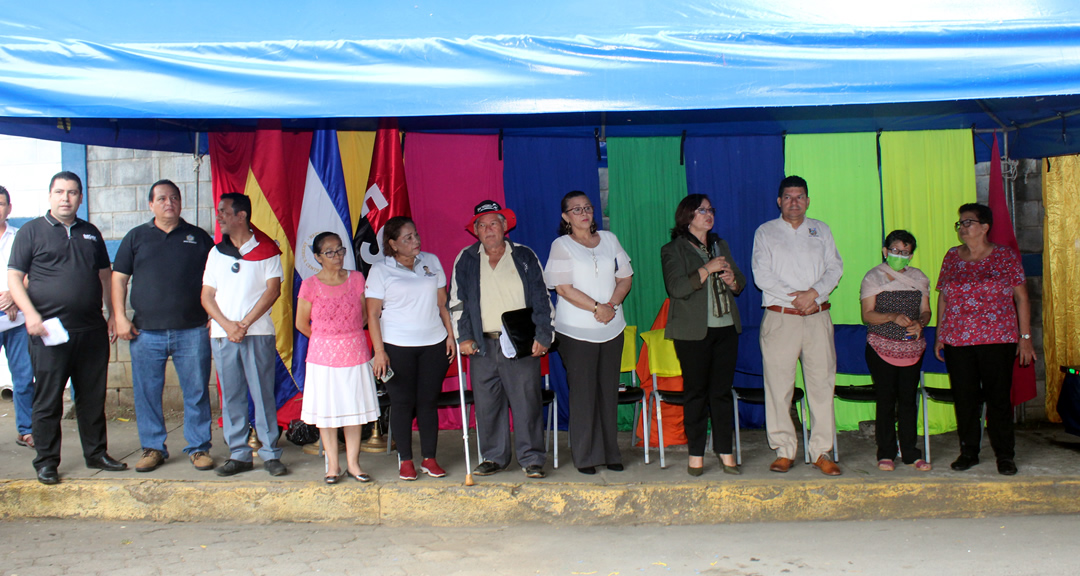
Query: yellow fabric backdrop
x=1061, y=273
x=356, y=148
x=925, y=177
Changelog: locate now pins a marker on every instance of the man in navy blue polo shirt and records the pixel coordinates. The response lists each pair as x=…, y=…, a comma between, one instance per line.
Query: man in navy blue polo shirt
x=68, y=266
x=164, y=259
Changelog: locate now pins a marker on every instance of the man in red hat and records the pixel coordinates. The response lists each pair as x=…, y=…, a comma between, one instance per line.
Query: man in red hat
x=492, y=277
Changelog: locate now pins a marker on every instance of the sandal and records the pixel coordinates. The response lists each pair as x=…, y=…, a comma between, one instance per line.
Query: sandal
x=25, y=440
x=921, y=465
x=886, y=465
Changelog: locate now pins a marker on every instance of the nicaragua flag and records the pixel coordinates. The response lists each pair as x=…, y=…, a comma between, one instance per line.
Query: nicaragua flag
x=325, y=206
x=386, y=195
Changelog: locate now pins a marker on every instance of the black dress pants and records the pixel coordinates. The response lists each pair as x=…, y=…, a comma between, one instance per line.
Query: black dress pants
x=85, y=359
x=897, y=389
x=414, y=390
x=978, y=374
x=708, y=369
x=592, y=376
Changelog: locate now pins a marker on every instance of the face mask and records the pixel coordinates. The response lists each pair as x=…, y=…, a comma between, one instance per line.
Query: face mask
x=897, y=263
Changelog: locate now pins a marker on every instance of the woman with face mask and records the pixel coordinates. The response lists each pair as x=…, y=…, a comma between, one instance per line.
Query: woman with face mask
x=896, y=307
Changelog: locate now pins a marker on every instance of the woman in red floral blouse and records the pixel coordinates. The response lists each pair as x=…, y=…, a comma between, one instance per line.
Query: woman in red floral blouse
x=895, y=307
x=984, y=313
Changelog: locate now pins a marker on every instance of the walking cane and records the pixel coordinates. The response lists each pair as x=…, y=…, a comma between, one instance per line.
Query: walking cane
x=464, y=419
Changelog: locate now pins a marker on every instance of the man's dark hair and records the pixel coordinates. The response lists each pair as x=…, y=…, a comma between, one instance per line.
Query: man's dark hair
x=240, y=203
x=793, y=182
x=167, y=182
x=982, y=212
x=903, y=236
x=684, y=213
x=4, y=193
x=392, y=231
x=66, y=175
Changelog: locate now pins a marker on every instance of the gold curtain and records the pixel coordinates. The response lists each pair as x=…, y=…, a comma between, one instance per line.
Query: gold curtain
x=1061, y=272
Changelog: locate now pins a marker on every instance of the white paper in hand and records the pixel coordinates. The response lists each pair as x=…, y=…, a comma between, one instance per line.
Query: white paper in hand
x=57, y=334
x=506, y=345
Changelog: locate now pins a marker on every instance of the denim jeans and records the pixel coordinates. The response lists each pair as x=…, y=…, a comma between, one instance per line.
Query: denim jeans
x=16, y=345
x=190, y=351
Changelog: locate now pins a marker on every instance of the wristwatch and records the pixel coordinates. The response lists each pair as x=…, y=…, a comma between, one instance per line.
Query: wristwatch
x=1025, y=336
x=614, y=306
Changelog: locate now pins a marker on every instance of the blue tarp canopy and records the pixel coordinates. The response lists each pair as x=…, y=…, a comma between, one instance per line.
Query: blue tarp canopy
x=150, y=74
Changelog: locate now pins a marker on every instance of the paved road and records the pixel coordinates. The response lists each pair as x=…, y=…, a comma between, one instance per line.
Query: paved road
x=997, y=546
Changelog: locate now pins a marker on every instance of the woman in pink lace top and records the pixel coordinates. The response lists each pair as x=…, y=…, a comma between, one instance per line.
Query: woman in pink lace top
x=340, y=387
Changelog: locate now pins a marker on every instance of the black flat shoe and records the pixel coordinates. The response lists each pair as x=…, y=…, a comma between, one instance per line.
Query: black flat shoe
x=587, y=470
x=48, y=475
x=361, y=477
x=332, y=479
x=104, y=462
x=964, y=462
x=615, y=467
x=1006, y=467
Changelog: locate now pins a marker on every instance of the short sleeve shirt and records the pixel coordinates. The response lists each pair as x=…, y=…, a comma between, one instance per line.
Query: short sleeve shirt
x=592, y=271
x=166, y=272
x=979, y=306
x=239, y=285
x=410, y=315
x=63, y=265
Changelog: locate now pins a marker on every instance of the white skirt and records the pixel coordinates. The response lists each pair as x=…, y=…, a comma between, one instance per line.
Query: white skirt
x=336, y=397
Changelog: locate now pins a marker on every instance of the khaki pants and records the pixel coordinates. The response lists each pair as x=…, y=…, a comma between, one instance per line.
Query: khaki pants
x=786, y=338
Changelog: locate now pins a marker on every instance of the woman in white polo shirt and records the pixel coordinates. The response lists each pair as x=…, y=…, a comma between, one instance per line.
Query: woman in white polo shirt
x=592, y=275
x=413, y=339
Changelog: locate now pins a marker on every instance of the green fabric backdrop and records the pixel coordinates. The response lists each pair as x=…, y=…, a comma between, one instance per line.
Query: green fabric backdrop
x=926, y=176
x=841, y=171
x=645, y=184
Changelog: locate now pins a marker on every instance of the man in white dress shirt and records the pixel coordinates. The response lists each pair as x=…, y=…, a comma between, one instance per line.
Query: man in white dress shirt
x=13, y=336
x=796, y=266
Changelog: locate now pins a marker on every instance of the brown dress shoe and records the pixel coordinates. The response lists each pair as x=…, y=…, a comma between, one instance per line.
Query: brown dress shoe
x=827, y=466
x=781, y=465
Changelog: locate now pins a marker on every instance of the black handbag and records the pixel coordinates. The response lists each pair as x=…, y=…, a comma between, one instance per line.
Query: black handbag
x=301, y=433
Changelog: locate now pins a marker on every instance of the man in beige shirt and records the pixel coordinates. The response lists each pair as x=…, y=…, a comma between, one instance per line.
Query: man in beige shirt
x=491, y=277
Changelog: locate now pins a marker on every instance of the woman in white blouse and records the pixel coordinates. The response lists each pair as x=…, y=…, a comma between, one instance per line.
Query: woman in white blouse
x=591, y=273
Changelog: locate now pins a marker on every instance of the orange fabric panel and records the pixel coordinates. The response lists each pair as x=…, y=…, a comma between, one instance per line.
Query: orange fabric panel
x=673, y=415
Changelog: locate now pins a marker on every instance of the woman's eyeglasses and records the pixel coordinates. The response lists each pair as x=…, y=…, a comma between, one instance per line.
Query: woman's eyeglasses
x=967, y=223
x=331, y=253
x=579, y=210
x=904, y=253
x=706, y=211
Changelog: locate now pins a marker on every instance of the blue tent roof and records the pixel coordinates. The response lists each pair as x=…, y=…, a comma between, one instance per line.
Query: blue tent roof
x=155, y=72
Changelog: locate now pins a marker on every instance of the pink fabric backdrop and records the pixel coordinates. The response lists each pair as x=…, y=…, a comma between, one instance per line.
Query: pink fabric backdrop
x=448, y=175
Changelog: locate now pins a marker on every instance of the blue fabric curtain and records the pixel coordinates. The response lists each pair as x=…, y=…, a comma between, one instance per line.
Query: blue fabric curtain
x=740, y=176
x=537, y=172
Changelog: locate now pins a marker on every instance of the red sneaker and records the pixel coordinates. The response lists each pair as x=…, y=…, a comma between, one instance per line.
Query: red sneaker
x=407, y=471
x=430, y=467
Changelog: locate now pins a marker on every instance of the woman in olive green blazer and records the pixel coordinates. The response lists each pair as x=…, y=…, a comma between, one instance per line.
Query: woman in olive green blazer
x=702, y=281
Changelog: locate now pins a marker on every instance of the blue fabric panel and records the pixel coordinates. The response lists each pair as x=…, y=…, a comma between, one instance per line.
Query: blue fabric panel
x=537, y=173
x=740, y=175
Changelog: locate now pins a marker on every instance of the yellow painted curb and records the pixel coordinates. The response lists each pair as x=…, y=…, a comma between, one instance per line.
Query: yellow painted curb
x=399, y=504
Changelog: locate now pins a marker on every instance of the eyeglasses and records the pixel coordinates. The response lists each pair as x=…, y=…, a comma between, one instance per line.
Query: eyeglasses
x=332, y=253
x=904, y=253
x=706, y=211
x=968, y=223
x=579, y=210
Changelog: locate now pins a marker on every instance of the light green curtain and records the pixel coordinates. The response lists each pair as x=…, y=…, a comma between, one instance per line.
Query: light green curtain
x=645, y=184
x=925, y=177
x=841, y=172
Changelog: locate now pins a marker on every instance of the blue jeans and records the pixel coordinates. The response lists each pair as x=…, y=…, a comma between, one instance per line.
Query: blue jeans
x=190, y=351
x=15, y=343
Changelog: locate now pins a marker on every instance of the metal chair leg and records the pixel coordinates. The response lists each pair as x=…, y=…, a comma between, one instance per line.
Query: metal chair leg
x=738, y=439
x=646, y=428
x=555, y=428
x=925, y=419
x=805, y=434
x=659, y=422
x=835, y=449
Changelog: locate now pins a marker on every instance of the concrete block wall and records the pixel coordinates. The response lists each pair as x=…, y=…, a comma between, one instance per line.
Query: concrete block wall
x=117, y=189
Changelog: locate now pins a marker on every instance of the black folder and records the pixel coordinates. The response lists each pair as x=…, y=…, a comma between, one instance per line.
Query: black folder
x=519, y=327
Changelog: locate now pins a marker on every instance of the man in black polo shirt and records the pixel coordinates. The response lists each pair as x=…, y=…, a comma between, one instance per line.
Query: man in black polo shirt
x=164, y=259
x=68, y=266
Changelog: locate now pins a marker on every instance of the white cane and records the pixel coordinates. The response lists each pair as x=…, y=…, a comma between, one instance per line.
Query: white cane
x=464, y=419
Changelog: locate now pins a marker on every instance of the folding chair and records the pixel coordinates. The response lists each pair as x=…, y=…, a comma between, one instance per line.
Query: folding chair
x=634, y=394
x=865, y=393
x=549, y=399
x=757, y=396
x=940, y=395
x=662, y=363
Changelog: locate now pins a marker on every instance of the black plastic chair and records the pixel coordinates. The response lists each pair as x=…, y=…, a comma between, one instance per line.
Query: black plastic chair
x=757, y=396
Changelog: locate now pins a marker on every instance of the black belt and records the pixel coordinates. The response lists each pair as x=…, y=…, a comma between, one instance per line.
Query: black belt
x=493, y=335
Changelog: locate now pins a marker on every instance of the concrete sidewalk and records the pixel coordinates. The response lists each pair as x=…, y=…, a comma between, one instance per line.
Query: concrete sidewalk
x=1048, y=482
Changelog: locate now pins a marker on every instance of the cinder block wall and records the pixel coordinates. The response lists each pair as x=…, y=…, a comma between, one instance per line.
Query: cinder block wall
x=117, y=189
